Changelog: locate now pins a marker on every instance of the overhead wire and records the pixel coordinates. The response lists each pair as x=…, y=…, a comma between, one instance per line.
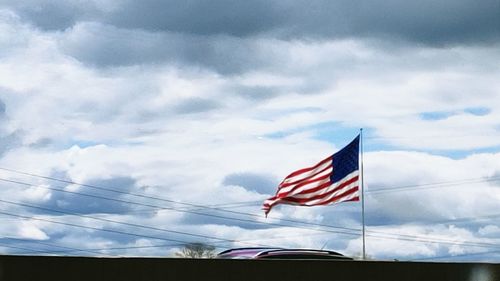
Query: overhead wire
x=459, y=243
x=200, y=206
x=437, y=184
x=101, y=229
x=68, y=249
x=176, y=209
x=215, y=207
x=456, y=256
x=413, y=238
x=125, y=223
x=29, y=250
x=158, y=198
x=170, y=200
x=371, y=233
x=97, y=251
x=100, y=197
x=176, y=244
x=123, y=192
x=431, y=185
x=174, y=201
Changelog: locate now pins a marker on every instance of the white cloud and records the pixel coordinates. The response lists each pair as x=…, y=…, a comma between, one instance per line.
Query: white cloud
x=489, y=231
x=414, y=242
x=177, y=125
x=463, y=187
x=31, y=231
x=37, y=193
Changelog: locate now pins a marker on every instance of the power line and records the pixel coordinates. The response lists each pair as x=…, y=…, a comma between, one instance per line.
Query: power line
x=413, y=238
x=152, y=246
x=175, y=209
x=123, y=192
x=400, y=237
x=456, y=256
x=465, y=219
x=100, y=197
x=96, y=250
x=172, y=201
x=431, y=185
x=123, y=223
x=20, y=248
x=376, y=191
x=123, y=201
x=215, y=207
x=95, y=228
x=226, y=206
x=461, y=243
x=428, y=185
x=139, y=195
x=69, y=249
x=403, y=237
x=138, y=247
x=167, y=200
x=167, y=245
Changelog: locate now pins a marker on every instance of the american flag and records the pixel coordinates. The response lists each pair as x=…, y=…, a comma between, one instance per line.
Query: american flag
x=333, y=180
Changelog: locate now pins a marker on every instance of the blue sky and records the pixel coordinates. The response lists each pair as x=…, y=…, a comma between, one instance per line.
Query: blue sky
x=129, y=128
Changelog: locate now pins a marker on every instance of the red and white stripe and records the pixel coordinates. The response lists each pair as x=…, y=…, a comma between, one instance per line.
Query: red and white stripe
x=312, y=186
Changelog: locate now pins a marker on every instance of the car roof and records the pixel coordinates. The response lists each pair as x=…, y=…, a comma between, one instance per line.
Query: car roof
x=242, y=253
x=280, y=253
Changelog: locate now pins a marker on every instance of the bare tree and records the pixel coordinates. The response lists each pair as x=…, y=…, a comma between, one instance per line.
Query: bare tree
x=196, y=251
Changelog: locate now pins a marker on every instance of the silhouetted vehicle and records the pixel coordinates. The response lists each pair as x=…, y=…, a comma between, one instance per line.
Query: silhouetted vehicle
x=280, y=253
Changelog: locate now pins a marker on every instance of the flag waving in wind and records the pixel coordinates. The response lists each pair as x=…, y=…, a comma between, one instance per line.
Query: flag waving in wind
x=333, y=180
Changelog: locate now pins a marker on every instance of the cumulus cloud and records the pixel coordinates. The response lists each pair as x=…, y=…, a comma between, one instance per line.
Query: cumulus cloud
x=412, y=179
x=489, y=231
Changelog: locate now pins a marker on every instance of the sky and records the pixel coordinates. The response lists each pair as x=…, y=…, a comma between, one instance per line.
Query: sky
x=130, y=128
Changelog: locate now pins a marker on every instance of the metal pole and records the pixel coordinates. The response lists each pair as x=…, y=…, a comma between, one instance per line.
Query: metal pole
x=362, y=191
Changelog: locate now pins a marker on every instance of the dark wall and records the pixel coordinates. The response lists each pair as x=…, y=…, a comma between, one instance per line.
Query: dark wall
x=29, y=268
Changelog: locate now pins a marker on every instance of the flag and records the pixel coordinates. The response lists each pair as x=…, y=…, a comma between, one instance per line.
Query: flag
x=333, y=180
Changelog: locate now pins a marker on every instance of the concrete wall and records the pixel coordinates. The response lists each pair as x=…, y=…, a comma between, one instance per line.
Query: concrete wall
x=30, y=268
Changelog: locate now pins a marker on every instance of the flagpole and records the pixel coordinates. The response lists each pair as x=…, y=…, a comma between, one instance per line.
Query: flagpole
x=362, y=192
